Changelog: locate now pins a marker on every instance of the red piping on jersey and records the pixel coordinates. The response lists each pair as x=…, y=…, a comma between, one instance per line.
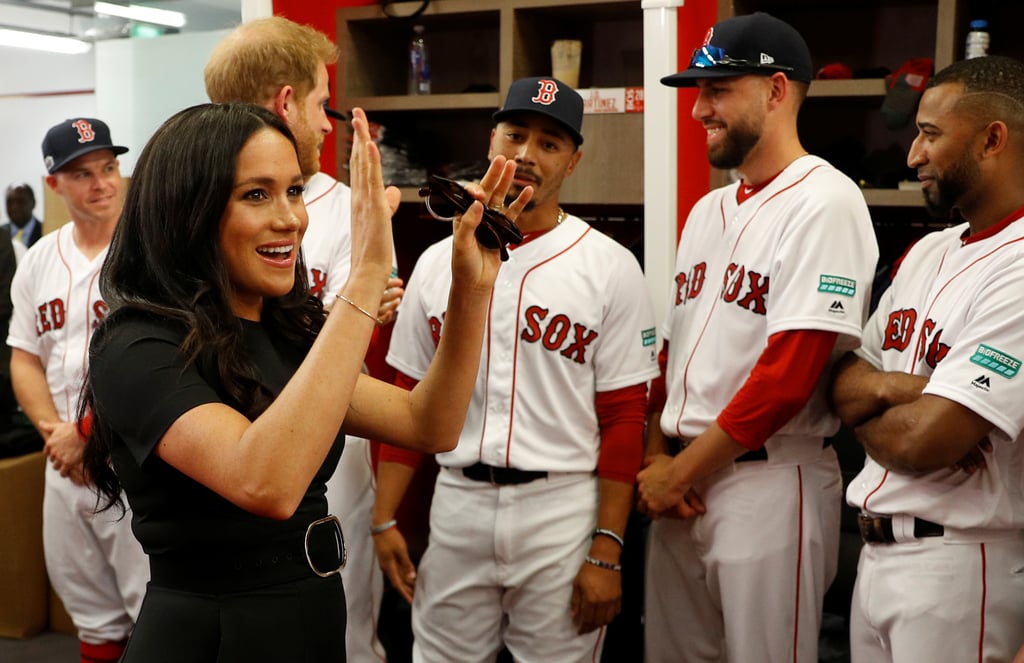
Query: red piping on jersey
x=67, y=298
x=515, y=349
x=864, y=504
x=595, y=653
x=693, y=353
x=984, y=596
x=920, y=335
x=799, y=562
x=331, y=188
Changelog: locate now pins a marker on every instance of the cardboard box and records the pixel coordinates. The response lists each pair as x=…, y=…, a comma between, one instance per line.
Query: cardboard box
x=24, y=588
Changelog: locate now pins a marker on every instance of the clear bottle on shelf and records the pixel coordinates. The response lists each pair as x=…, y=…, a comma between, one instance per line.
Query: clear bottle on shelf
x=977, y=40
x=419, y=63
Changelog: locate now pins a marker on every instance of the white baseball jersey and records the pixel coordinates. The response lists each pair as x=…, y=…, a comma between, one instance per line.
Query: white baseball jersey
x=955, y=314
x=327, y=250
x=327, y=244
x=96, y=565
x=57, y=305
x=568, y=318
x=799, y=254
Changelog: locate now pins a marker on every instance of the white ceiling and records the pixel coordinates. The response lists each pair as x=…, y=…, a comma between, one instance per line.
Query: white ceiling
x=75, y=17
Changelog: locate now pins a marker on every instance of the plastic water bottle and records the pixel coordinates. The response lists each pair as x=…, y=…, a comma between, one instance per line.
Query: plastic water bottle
x=419, y=63
x=977, y=39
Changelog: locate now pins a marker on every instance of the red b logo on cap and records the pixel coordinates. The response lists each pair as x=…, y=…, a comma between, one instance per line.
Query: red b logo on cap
x=85, y=132
x=546, y=90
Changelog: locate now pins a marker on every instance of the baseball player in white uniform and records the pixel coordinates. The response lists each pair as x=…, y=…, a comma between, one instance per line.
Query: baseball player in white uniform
x=935, y=394
x=529, y=510
x=242, y=68
x=94, y=562
x=773, y=276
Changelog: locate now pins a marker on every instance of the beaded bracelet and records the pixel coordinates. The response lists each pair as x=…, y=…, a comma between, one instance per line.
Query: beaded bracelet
x=359, y=308
x=383, y=527
x=601, y=564
x=600, y=531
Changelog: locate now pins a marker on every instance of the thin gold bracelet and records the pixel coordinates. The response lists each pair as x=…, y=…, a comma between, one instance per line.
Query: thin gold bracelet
x=360, y=309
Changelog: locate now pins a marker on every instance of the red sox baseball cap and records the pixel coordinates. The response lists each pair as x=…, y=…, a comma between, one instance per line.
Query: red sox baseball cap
x=751, y=44
x=547, y=96
x=73, y=138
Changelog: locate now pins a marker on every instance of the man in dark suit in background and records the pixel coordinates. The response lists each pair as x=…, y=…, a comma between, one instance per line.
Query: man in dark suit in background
x=24, y=227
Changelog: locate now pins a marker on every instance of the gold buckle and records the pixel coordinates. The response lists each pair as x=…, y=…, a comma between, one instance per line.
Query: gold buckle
x=339, y=538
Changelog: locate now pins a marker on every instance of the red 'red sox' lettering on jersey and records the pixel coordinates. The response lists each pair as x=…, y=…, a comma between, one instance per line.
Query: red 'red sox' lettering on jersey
x=99, y=311
x=752, y=285
x=51, y=316
x=556, y=332
x=317, y=282
x=899, y=330
x=688, y=286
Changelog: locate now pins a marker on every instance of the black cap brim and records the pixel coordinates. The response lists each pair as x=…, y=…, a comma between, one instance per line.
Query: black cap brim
x=689, y=77
x=116, y=149
x=336, y=114
x=504, y=113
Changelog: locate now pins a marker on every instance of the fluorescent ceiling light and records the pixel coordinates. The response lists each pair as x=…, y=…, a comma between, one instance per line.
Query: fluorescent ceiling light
x=142, y=14
x=43, y=42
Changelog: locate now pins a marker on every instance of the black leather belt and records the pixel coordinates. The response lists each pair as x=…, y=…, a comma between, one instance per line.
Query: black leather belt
x=878, y=529
x=319, y=551
x=501, y=476
x=675, y=445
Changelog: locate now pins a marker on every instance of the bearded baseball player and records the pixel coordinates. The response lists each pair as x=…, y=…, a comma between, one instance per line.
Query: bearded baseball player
x=282, y=66
x=935, y=394
x=772, y=282
x=529, y=510
x=94, y=562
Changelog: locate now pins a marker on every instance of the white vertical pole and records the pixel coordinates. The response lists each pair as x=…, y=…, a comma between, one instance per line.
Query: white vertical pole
x=256, y=9
x=660, y=150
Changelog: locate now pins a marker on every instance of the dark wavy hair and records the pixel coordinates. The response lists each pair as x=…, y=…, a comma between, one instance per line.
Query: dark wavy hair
x=165, y=261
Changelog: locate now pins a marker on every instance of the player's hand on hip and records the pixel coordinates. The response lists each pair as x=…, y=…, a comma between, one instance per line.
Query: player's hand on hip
x=656, y=489
x=596, y=597
x=394, y=561
x=372, y=203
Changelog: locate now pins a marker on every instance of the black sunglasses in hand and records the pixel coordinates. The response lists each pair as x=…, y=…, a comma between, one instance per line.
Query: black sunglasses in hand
x=447, y=199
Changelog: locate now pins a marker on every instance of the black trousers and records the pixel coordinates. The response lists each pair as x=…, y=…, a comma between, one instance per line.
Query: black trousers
x=303, y=620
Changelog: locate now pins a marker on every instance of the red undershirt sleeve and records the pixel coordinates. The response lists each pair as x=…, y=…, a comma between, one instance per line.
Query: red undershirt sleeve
x=659, y=392
x=392, y=454
x=778, y=386
x=621, y=414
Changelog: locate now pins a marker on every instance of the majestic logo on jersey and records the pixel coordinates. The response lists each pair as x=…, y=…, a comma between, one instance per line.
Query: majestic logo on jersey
x=317, y=282
x=747, y=289
x=837, y=284
x=85, y=132
x=688, y=286
x=52, y=316
x=982, y=382
x=555, y=334
x=996, y=361
x=649, y=337
x=547, y=89
x=837, y=308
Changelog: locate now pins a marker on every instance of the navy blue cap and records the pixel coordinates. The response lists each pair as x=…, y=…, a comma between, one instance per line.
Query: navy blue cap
x=73, y=138
x=547, y=96
x=755, y=43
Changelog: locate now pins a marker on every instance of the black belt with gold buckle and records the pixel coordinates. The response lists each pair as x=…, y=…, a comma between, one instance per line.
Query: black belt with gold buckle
x=878, y=529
